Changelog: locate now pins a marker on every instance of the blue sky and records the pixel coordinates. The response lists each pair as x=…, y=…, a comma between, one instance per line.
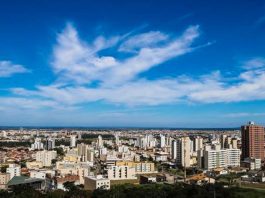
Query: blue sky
x=132, y=63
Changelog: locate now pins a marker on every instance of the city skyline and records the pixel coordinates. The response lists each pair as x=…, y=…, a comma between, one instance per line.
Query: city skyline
x=132, y=64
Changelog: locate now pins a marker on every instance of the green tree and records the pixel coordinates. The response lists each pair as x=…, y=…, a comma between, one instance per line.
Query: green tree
x=70, y=186
x=59, y=151
x=3, y=168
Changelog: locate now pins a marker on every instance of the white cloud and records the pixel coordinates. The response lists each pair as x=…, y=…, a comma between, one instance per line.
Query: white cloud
x=151, y=57
x=148, y=39
x=78, y=63
x=244, y=114
x=7, y=69
x=140, y=92
x=249, y=87
x=210, y=88
x=7, y=103
x=76, y=60
x=257, y=62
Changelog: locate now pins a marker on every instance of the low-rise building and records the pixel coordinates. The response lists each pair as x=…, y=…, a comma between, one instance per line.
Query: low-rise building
x=34, y=165
x=13, y=170
x=161, y=156
x=254, y=176
x=200, y=179
x=251, y=163
x=36, y=183
x=4, y=179
x=46, y=175
x=92, y=183
x=121, y=173
x=81, y=169
x=140, y=167
x=147, y=179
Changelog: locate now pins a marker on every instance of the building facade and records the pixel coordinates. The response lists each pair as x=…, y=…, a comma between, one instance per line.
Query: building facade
x=252, y=141
x=221, y=158
x=183, y=152
x=13, y=170
x=4, y=179
x=121, y=173
x=93, y=183
x=46, y=157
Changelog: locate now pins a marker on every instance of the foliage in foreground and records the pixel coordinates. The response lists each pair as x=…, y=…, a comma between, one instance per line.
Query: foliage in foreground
x=141, y=191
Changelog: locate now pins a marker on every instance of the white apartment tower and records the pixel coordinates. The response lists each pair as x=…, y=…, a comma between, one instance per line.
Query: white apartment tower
x=217, y=157
x=183, y=152
x=162, y=141
x=37, y=145
x=100, y=142
x=174, y=149
x=85, y=152
x=117, y=140
x=73, y=141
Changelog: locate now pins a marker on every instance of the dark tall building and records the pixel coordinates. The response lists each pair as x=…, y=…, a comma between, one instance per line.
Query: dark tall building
x=49, y=144
x=252, y=141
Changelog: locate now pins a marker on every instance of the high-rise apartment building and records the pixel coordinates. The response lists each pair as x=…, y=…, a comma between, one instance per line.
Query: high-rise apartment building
x=222, y=140
x=183, y=152
x=117, y=139
x=49, y=144
x=217, y=157
x=46, y=157
x=37, y=145
x=85, y=152
x=100, y=142
x=174, y=149
x=162, y=141
x=197, y=143
x=252, y=141
x=73, y=141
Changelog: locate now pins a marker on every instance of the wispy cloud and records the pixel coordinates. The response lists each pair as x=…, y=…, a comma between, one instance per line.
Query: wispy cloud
x=257, y=62
x=149, y=39
x=244, y=114
x=22, y=103
x=249, y=87
x=210, y=88
x=7, y=69
x=78, y=64
x=81, y=62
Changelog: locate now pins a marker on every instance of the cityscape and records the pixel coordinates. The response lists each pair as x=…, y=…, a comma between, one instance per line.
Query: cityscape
x=132, y=99
x=49, y=159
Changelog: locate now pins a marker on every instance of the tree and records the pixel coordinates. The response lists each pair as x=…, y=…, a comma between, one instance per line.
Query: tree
x=3, y=168
x=59, y=151
x=231, y=178
x=23, y=164
x=56, y=194
x=54, y=161
x=70, y=186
